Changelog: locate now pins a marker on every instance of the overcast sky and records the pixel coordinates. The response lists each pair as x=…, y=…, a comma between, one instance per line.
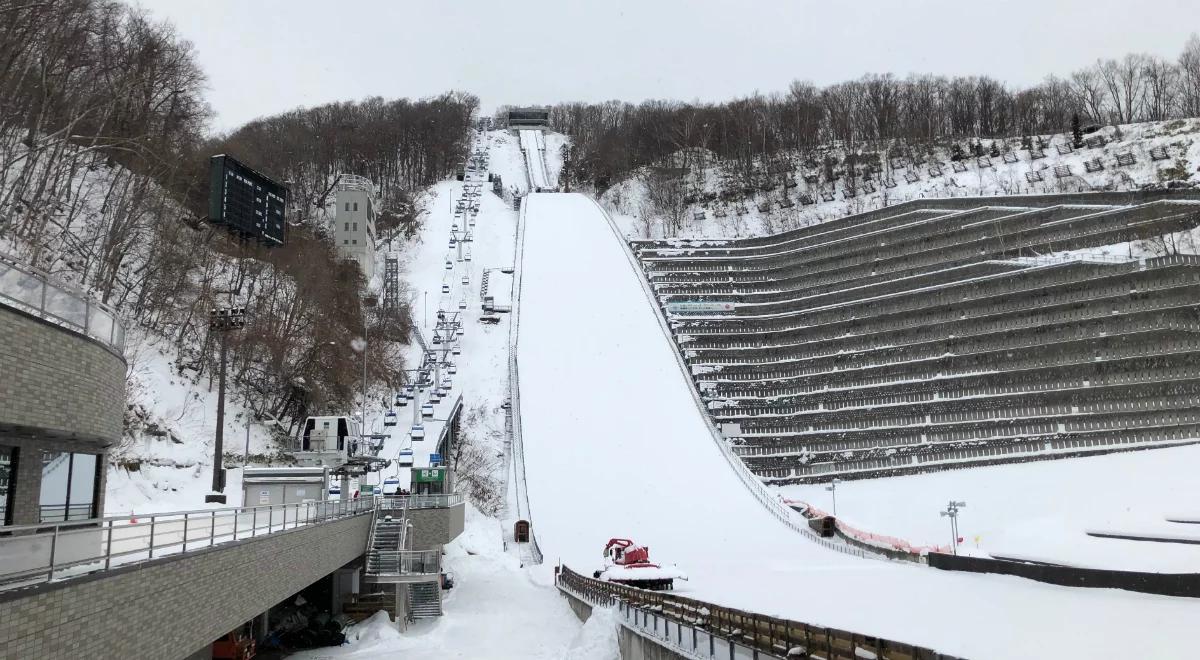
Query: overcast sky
x=266, y=56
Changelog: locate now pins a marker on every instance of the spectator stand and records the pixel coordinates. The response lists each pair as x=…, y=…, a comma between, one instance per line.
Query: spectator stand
x=1033, y=176
x=1062, y=171
x=1159, y=153
x=1093, y=165
x=1125, y=159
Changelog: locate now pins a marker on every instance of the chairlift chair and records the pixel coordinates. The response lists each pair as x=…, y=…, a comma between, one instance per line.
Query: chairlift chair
x=418, y=430
x=445, y=288
x=462, y=304
x=427, y=410
x=456, y=350
x=389, y=419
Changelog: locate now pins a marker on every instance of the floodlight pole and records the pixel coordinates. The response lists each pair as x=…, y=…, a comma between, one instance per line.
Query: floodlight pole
x=951, y=512
x=832, y=488
x=222, y=321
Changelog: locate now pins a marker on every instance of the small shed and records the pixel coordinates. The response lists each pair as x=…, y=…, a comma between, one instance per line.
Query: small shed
x=521, y=531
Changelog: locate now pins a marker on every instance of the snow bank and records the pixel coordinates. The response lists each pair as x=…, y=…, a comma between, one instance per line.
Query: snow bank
x=597, y=640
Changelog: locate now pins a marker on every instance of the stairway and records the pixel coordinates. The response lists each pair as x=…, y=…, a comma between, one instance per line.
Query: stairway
x=387, y=535
x=424, y=600
x=362, y=606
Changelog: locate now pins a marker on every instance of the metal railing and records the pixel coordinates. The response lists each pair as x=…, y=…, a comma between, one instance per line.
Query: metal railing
x=699, y=629
x=32, y=290
x=404, y=562
x=421, y=501
x=30, y=554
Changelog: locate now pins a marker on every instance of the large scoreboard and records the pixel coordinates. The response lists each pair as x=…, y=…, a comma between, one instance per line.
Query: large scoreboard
x=246, y=201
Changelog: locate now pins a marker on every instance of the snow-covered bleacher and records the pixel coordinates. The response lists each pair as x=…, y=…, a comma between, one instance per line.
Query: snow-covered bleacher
x=944, y=332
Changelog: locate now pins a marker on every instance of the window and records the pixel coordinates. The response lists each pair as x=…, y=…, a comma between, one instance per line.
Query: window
x=8, y=465
x=354, y=242
x=355, y=206
x=356, y=226
x=345, y=241
x=68, y=486
x=347, y=206
x=346, y=227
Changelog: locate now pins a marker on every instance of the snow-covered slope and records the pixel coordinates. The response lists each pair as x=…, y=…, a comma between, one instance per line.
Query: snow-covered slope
x=992, y=175
x=615, y=446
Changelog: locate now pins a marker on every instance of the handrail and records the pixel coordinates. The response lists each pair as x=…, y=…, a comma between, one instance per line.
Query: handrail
x=404, y=562
x=30, y=554
x=33, y=290
x=695, y=626
x=435, y=501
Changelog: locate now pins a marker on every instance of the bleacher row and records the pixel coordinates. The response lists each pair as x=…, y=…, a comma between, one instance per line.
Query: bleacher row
x=942, y=333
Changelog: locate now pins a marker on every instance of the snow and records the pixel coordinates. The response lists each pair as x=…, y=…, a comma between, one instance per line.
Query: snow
x=1038, y=510
x=533, y=144
x=627, y=199
x=496, y=610
x=615, y=446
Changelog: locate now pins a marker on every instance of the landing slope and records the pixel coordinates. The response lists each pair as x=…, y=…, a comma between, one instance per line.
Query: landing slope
x=614, y=446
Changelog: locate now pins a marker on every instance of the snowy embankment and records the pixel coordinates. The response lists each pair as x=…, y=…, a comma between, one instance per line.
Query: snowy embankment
x=615, y=447
x=628, y=199
x=1039, y=510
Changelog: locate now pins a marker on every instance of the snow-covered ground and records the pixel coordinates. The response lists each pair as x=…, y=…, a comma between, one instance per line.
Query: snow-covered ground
x=1039, y=510
x=615, y=446
x=496, y=610
x=628, y=199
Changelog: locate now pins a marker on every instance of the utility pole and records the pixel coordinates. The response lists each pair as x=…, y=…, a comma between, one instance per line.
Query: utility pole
x=832, y=488
x=951, y=512
x=222, y=321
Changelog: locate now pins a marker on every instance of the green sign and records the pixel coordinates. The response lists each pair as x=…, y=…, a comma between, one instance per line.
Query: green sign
x=435, y=475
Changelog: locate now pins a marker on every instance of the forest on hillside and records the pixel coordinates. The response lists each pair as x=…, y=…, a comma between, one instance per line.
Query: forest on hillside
x=104, y=183
x=612, y=138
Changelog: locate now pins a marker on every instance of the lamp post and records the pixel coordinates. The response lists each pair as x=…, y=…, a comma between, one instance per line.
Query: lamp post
x=951, y=512
x=222, y=320
x=832, y=488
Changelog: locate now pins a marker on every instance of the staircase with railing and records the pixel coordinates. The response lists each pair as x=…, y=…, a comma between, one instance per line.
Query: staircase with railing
x=389, y=561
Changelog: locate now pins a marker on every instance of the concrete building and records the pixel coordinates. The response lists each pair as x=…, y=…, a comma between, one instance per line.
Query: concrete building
x=354, y=222
x=62, y=401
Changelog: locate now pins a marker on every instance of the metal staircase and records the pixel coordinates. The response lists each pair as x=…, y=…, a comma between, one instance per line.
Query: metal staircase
x=424, y=600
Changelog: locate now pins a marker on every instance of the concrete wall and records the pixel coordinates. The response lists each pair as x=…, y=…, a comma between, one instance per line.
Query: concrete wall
x=633, y=645
x=436, y=527
x=57, y=382
x=173, y=607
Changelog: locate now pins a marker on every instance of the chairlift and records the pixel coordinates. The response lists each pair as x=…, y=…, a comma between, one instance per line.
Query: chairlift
x=456, y=350
x=466, y=280
x=445, y=288
x=449, y=265
x=389, y=419
x=453, y=242
x=462, y=304
x=391, y=485
x=451, y=368
x=418, y=430
x=454, y=227
x=400, y=400
x=426, y=411
x=460, y=332
x=405, y=458
x=467, y=255
x=408, y=392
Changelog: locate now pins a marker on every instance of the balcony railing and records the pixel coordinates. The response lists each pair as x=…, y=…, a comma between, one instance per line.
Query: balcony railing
x=31, y=554
x=34, y=291
x=421, y=501
x=404, y=562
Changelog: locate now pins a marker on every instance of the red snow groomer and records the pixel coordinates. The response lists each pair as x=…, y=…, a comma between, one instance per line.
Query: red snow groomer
x=629, y=564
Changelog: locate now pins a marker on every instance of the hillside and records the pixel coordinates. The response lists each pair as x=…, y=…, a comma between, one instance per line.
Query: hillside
x=711, y=201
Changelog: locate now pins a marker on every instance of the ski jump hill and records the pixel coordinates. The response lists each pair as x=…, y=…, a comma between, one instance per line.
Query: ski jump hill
x=616, y=446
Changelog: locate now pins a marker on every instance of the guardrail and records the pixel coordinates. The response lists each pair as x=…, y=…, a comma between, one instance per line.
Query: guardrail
x=701, y=629
x=31, y=554
x=404, y=562
x=420, y=501
x=32, y=290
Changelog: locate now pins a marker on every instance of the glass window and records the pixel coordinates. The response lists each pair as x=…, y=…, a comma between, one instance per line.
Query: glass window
x=347, y=227
x=347, y=206
x=68, y=486
x=356, y=226
x=355, y=206
x=8, y=457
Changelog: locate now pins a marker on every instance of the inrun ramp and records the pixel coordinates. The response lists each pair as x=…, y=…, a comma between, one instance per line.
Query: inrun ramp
x=616, y=447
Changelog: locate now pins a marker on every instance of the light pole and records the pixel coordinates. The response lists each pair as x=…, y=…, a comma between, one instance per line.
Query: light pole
x=832, y=488
x=222, y=320
x=951, y=512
